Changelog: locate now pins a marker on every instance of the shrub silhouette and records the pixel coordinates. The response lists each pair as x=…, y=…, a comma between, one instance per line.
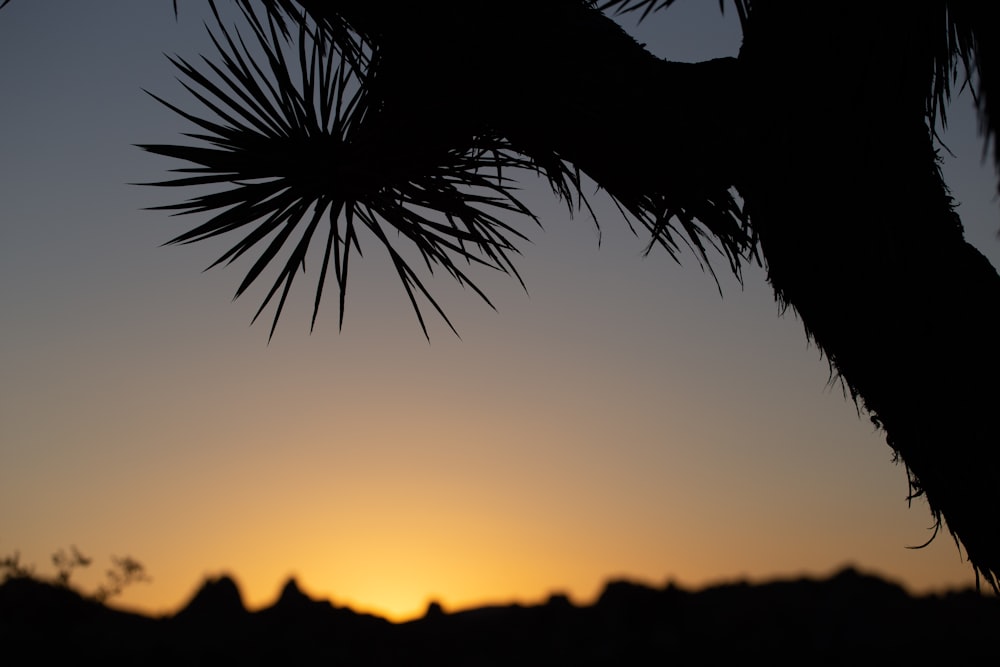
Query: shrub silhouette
x=124, y=572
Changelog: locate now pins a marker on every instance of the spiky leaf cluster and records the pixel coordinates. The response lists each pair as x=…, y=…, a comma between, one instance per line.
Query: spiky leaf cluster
x=292, y=137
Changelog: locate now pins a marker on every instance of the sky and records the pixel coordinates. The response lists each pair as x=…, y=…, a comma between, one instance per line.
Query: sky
x=621, y=419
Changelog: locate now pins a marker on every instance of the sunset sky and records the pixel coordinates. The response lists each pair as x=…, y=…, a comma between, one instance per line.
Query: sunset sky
x=621, y=419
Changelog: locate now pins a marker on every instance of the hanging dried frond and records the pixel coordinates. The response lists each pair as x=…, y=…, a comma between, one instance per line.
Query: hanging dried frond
x=646, y=6
x=649, y=6
x=966, y=33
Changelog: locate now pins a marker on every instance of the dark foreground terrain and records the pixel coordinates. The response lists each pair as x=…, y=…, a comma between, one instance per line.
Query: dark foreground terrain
x=849, y=619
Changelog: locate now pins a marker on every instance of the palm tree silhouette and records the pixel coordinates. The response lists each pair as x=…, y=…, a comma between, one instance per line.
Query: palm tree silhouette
x=814, y=152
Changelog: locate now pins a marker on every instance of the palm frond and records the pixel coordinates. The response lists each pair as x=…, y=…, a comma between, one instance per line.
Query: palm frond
x=291, y=134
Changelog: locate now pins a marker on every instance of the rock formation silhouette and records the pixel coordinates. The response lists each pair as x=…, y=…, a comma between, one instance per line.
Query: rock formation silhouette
x=849, y=618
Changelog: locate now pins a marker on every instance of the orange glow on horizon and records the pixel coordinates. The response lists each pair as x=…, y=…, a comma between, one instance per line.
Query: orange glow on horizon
x=399, y=597
x=622, y=421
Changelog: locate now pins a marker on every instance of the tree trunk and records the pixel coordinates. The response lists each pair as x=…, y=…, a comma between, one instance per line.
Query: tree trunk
x=860, y=238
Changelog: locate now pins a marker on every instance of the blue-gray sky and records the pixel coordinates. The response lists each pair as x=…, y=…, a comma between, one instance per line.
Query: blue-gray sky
x=621, y=419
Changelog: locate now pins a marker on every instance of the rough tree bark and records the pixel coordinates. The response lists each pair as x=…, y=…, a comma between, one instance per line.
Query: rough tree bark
x=860, y=237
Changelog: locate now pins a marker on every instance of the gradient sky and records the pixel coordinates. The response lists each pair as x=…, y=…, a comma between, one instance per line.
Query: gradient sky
x=619, y=420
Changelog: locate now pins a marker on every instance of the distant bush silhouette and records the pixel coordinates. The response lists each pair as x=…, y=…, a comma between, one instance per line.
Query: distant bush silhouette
x=66, y=563
x=124, y=572
x=12, y=568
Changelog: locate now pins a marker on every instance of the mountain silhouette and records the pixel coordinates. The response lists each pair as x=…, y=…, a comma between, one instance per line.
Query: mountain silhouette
x=217, y=599
x=849, y=618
